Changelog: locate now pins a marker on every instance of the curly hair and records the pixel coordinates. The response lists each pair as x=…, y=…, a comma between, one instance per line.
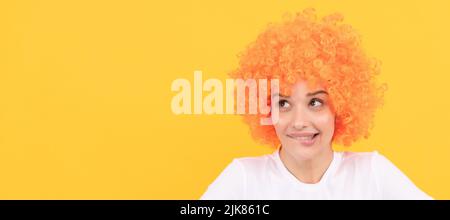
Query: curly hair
x=322, y=52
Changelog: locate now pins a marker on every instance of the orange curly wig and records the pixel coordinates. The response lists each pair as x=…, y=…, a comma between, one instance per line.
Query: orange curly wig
x=322, y=52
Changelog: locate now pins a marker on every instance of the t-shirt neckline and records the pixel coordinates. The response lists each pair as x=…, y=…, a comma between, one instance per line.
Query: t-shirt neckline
x=307, y=186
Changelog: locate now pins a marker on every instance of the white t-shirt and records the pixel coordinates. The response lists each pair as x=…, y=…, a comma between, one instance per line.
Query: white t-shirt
x=350, y=175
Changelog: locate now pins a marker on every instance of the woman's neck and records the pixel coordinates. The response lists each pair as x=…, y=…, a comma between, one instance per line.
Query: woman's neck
x=308, y=171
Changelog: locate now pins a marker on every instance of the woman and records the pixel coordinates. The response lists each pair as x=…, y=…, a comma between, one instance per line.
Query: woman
x=328, y=94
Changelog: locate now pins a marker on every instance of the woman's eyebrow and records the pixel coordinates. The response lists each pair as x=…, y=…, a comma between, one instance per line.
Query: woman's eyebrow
x=280, y=95
x=317, y=92
x=307, y=94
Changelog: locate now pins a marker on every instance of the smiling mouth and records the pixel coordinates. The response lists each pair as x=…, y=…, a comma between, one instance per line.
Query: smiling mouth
x=303, y=137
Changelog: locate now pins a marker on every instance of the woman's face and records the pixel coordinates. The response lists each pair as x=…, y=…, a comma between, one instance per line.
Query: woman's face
x=306, y=123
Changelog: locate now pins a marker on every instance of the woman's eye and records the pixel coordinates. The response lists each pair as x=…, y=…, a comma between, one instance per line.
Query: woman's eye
x=283, y=104
x=315, y=102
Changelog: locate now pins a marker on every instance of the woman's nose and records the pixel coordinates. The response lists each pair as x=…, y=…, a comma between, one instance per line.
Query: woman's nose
x=300, y=118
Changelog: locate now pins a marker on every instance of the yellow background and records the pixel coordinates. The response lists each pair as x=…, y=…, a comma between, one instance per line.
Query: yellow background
x=85, y=93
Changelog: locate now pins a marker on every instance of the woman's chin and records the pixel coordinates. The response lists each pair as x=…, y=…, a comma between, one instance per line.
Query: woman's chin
x=302, y=152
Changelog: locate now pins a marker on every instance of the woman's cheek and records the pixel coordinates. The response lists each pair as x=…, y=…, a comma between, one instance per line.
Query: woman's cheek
x=325, y=120
x=283, y=121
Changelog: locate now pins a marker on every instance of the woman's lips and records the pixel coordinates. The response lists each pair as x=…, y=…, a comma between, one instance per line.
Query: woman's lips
x=305, y=139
